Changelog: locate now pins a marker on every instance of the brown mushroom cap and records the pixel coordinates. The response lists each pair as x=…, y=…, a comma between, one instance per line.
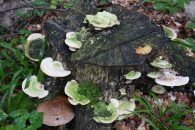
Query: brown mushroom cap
x=57, y=111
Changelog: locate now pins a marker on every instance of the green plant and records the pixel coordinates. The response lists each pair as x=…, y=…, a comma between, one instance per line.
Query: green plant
x=189, y=42
x=21, y=115
x=39, y=7
x=169, y=118
x=14, y=68
x=90, y=90
x=33, y=10
x=21, y=118
x=55, y=3
x=173, y=6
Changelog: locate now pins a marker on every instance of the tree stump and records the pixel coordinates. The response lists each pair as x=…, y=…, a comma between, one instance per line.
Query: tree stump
x=112, y=54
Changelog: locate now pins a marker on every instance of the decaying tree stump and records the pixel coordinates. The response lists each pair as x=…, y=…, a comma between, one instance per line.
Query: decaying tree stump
x=112, y=54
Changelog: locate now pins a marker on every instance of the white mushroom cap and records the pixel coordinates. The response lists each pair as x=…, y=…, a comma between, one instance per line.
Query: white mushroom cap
x=169, y=79
x=53, y=68
x=158, y=89
x=57, y=111
x=35, y=36
x=132, y=75
x=35, y=88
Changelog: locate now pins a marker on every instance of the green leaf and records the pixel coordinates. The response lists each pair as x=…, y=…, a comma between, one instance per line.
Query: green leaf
x=20, y=12
x=21, y=101
x=190, y=25
x=53, y=6
x=20, y=122
x=36, y=119
x=18, y=113
x=159, y=6
x=39, y=13
x=9, y=127
x=3, y=115
x=39, y=3
x=184, y=43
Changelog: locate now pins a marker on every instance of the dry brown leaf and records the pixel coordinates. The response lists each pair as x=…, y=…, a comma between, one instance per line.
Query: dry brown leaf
x=143, y=50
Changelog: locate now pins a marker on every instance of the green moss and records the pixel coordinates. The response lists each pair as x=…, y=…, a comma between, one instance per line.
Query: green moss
x=105, y=113
x=90, y=90
x=100, y=109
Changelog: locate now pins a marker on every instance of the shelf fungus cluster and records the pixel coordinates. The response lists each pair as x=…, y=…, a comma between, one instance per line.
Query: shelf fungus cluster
x=71, y=90
x=34, y=46
x=33, y=88
x=107, y=118
x=118, y=110
x=53, y=68
x=124, y=107
x=102, y=20
x=132, y=75
x=73, y=41
x=158, y=89
x=103, y=113
x=169, y=79
x=165, y=76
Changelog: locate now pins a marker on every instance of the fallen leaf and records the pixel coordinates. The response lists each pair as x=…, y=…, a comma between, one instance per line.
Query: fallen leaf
x=124, y=126
x=143, y=50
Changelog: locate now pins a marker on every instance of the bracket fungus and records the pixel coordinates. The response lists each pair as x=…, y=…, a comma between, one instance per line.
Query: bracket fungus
x=154, y=74
x=122, y=91
x=72, y=41
x=35, y=88
x=158, y=89
x=71, y=90
x=34, y=46
x=170, y=32
x=160, y=63
x=57, y=111
x=110, y=118
x=53, y=68
x=131, y=76
x=171, y=79
x=102, y=20
x=124, y=107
